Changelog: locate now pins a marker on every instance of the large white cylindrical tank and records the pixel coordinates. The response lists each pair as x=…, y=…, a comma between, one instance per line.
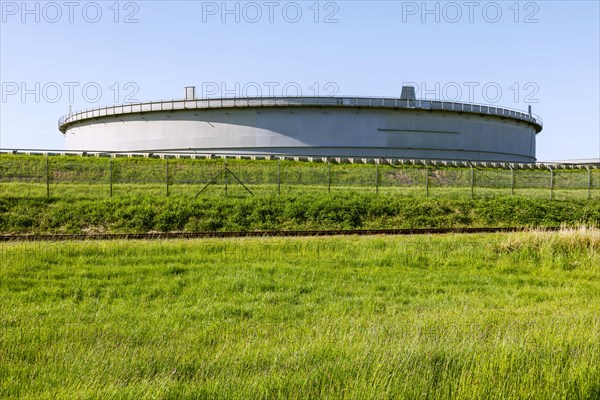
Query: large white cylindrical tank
x=336, y=127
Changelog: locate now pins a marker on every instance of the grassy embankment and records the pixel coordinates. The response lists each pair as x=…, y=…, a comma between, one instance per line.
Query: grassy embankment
x=294, y=212
x=71, y=177
x=288, y=196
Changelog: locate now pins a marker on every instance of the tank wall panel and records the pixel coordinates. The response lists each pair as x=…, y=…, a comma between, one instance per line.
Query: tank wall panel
x=367, y=132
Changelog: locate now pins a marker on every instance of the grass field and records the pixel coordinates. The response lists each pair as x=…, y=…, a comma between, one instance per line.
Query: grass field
x=503, y=316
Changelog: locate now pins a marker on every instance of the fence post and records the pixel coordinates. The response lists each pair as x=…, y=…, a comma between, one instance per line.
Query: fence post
x=551, y=183
x=167, y=174
x=426, y=180
x=589, y=194
x=47, y=177
x=279, y=176
x=512, y=180
x=376, y=176
x=226, y=173
x=111, y=175
x=328, y=176
x=472, y=180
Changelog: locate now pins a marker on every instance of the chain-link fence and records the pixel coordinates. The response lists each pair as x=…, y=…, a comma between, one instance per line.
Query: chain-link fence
x=117, y=176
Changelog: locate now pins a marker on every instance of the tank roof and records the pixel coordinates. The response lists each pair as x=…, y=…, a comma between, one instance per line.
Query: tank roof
x=255, y=102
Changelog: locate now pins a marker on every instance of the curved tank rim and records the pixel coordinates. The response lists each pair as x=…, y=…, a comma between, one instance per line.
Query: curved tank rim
x=299, y=101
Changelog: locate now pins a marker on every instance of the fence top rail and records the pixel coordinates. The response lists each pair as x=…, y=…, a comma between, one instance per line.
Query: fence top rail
x=302, y=101
x=591, y=164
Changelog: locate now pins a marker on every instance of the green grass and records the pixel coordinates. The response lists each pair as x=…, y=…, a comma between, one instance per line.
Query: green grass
x=432, y=317
x=503, y=316
x=78, y=191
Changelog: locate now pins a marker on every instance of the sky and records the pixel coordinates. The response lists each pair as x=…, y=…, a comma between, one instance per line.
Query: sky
x=86, y=54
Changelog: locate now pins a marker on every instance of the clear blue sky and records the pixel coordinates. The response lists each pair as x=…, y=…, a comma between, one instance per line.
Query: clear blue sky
x=513, y=54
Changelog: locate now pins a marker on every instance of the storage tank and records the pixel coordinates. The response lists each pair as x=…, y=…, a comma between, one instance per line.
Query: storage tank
x=404, y=127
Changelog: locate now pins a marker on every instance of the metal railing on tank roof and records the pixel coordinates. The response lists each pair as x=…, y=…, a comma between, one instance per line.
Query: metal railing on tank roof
x=375, y=102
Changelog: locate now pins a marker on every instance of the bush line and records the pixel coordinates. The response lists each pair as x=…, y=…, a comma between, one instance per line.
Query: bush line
x=291, y=212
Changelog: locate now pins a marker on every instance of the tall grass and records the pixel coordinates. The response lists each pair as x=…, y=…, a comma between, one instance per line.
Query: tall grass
x=437, y=317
